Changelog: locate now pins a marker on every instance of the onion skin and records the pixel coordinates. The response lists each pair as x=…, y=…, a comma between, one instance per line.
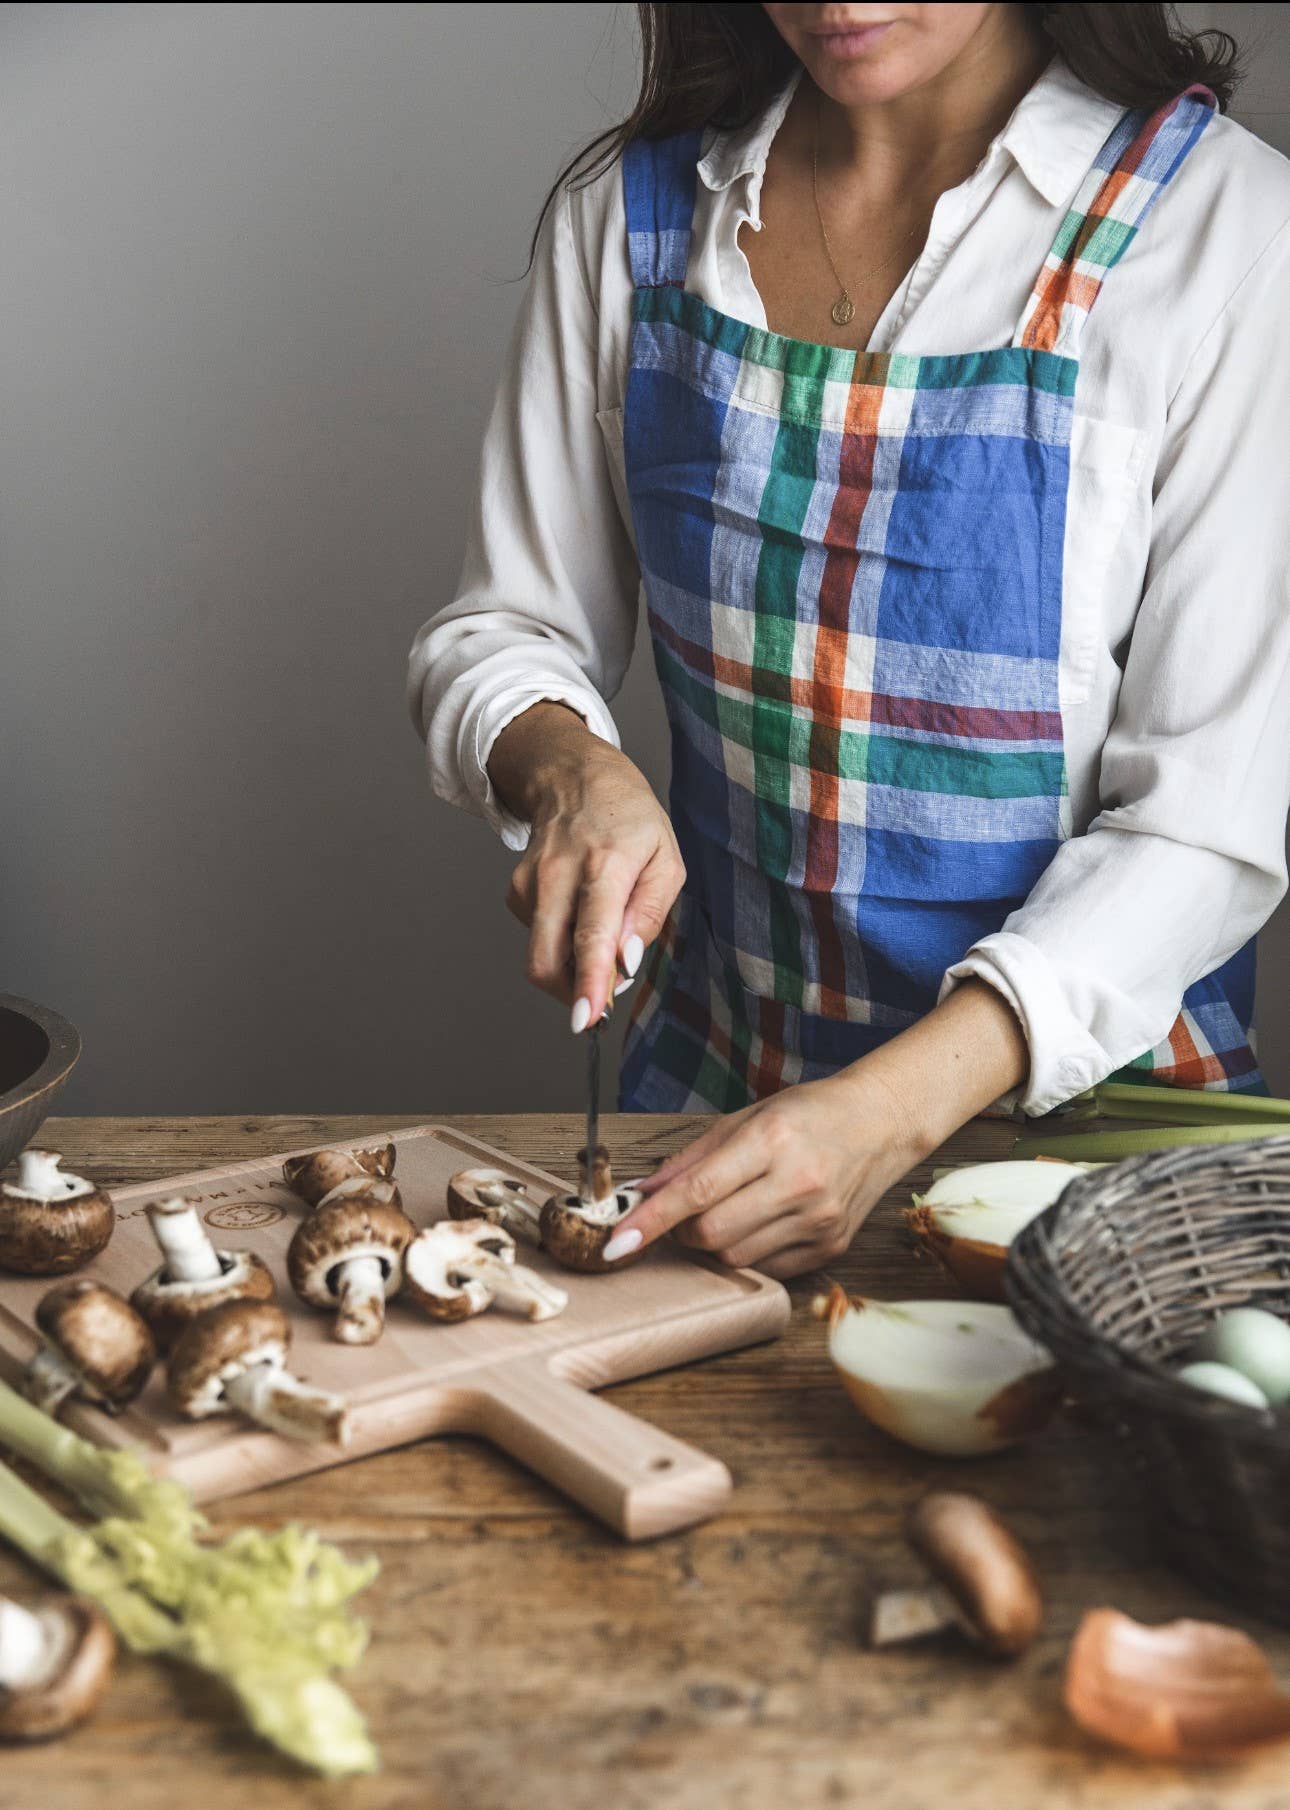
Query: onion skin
x=1186, y=1690
x=977, y=1267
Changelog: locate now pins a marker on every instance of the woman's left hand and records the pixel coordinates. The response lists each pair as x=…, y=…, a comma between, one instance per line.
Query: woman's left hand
x=786, y=1184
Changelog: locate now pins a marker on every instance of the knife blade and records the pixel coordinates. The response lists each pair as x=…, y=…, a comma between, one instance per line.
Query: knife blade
x=593, y=1104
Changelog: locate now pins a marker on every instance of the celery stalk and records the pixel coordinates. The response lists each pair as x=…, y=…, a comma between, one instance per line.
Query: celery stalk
x=1186, y=1105
x=1112, y=1146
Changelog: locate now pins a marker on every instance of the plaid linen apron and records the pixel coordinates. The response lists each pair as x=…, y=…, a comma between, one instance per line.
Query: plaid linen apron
x=853, y=569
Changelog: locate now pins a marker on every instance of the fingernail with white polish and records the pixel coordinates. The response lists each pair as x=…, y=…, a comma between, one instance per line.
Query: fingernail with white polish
x=622, y=1244
x=623, y=986
x=580, y=1017
x=635, y=1182
x=633, y=950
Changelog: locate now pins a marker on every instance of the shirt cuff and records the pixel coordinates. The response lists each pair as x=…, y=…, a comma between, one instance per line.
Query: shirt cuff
x=1065, y=1059
x=485, y=723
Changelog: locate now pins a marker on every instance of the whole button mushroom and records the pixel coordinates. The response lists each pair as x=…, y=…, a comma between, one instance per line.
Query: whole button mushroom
x=321, y=1172
x=99, y=1348
x=56, y=1662
x=193, y=1276
x=981, y=1580
x=51, y=1222
x=577, y=1227
x=347, y=1257
x=499, y=1198
x=459, y=1268
x=234, y=1359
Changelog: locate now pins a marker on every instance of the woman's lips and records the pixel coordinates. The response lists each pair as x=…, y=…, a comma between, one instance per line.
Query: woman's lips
x=853, y=40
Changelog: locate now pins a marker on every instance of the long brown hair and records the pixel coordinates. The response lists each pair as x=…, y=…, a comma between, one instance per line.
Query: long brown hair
x=722, y=65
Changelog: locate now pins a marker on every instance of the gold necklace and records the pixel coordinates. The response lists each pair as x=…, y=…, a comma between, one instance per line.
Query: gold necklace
x=843, y=310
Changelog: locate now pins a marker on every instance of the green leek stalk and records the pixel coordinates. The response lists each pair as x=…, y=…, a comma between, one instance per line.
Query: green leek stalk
x=1112, y=1146
x=1186, y=1105
x=265, y=1613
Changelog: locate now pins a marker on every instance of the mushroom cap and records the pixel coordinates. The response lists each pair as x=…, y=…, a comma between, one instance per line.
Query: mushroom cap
x=102, y=1337
x=576, y=1231
x=51, y=1237
x=469, y=1191
x=40, y=1711
x=219, y=1345
x=171, y=1307
x=430, y=1277
x=341, y=1230
x=983, y=1566
x=317, y=1172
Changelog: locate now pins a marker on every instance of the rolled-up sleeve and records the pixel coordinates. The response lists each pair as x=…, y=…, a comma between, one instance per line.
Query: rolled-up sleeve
x=546, y=604
x=1185, y=859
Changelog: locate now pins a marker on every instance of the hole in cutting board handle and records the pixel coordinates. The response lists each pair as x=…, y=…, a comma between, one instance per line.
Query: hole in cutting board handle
x=661, y=1464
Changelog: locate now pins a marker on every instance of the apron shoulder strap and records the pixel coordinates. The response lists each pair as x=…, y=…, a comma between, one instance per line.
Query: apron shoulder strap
x=1141, y=157
x=659, y=177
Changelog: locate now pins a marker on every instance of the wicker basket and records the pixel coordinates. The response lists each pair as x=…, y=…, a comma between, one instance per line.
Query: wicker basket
x=1118, y=1279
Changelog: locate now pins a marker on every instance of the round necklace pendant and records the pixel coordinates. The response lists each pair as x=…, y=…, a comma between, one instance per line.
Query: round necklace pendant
x=842, y=310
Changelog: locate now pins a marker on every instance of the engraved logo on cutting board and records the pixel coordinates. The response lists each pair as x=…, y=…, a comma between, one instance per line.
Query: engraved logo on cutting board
x=243, y=1215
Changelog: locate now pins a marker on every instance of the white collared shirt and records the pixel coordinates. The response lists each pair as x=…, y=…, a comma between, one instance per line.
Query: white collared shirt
x=1175, y=655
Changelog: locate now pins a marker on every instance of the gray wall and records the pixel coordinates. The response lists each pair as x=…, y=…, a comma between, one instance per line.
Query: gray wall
x=254, y=290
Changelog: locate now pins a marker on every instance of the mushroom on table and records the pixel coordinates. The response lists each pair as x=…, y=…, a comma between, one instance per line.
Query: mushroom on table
x=98, y=1348
x=234, y=1359
x=459, y=1268
x=193, y=1276
x=347, y=1257
x=51, y=1222
x=320, y=1173
x=501, y=1199
x=56, y=1662
x=577, y=1227
x=980, y=1580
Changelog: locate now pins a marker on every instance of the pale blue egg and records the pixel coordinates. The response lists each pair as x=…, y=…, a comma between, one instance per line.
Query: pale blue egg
x=1221, y=1379
x=1254, y=1342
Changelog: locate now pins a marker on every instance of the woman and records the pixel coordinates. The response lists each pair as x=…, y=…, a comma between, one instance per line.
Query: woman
x=925, y=364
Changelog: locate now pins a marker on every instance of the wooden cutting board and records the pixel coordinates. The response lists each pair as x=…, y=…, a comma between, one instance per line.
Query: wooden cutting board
x=523, y=1386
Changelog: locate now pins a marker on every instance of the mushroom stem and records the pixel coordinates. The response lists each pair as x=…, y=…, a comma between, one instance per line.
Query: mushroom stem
x=276, y=1399
x=901, y=1615
x=49, y=1379
x=360, y=1290
x=32, y=1646
x=520, y=1215
x=518, y=1289
x=188, y=1253
x=597, y=1175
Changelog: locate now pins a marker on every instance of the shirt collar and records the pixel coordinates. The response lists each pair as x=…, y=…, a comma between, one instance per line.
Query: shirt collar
x=1055, y=131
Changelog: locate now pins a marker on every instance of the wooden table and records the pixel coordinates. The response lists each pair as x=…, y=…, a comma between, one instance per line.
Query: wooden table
x=524, y=1659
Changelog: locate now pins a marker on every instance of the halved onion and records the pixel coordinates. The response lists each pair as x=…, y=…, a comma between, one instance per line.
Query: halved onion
x=969, y=1217
x=957, y=1378
x=1186, y=1690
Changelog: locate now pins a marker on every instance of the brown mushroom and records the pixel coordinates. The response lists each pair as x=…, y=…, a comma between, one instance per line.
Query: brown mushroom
x=99, y=1348
x=577, y=1227
x=56, y=1662
x=460, y=1267
x=347, y=1257
x=499, y=1198
x=234, y=1359
x=193, y=1276
x=982, y=1580
x=50, y=1222
x=316, y=1174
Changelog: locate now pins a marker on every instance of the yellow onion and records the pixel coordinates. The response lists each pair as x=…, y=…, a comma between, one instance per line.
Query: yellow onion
x=969, y=1217
x=957, y=1378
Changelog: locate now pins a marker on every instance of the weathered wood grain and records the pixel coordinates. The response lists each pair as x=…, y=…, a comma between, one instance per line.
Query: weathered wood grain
x=522, y=1659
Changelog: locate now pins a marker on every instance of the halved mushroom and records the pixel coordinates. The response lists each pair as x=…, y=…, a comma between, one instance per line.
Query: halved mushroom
x=234, y=1359
x=347, y=1257
x=99, y=1348
x=51, y=1222
x=577, y=1227
x=316, y=1175
x=981, y=1580
x=193, y=1276
x=499, y=1198
x=56, y=1662
x=460, y=1267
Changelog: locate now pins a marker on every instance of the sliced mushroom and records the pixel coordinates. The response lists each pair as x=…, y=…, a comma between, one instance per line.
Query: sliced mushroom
x=981, y=1580
x=460, y=1267
x=499, y=1198
x=50, y=1222
x=347, y=1257
x=314, y=1176
x=193, y=1276
x=577, y=1227
x=99, y=1348
x=234, y=1359
x=56, y=1662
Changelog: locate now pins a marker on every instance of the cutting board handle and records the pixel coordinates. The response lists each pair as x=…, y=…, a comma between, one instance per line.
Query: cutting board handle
x=641, y=1482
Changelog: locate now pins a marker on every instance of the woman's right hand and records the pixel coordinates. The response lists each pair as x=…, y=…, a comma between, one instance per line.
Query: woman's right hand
x=602, y=868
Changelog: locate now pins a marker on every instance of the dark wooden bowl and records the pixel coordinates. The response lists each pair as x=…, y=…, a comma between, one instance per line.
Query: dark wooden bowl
x=38, y=1051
